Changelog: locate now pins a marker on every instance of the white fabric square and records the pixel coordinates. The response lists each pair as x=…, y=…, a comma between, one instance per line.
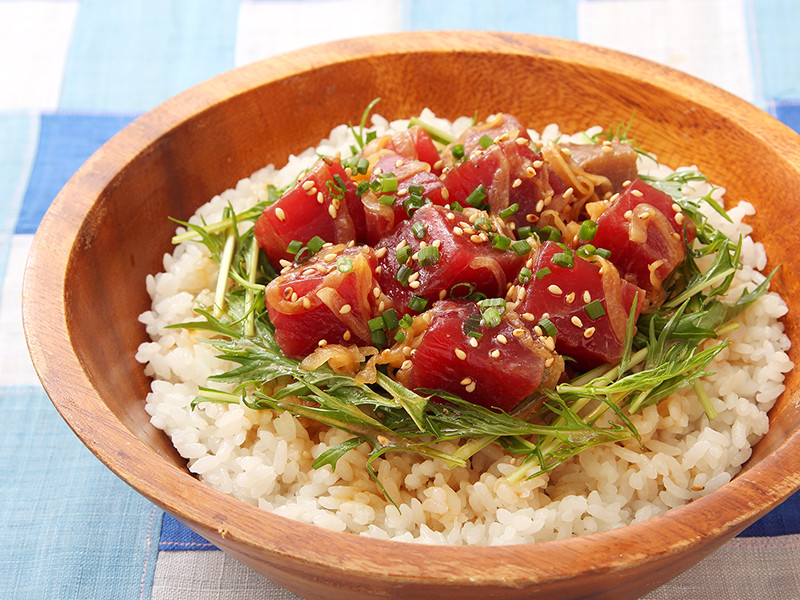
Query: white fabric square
x=16, y=368
x=269, y=28
x=34, y=43
x=705, y=38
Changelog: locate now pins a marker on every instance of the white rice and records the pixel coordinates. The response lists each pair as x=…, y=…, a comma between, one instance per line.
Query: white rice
x=265, y=458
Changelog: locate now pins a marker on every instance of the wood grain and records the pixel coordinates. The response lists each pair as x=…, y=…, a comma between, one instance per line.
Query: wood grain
x=109, y=227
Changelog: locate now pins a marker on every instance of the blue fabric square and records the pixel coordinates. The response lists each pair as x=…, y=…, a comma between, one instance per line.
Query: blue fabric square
x=176, y=536
x=131, y=56
x=774, y=46
x=65, y=142
x=783, y=520
x=788, y=112
x=556, y=19
x=69, y=528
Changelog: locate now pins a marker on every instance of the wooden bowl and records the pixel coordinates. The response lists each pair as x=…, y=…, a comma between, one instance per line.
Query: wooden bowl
x=109, y=227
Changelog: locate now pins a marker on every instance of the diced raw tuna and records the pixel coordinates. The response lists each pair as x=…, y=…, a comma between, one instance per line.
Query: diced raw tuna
x=510, y=173
x=480, y=135
x=499, y=370
x=616, y=161
x=588, y=304
x=413, y=185
x=462, y=254
x=644, y=231
x=330, y=297
x=323, y=203
x=413, y=143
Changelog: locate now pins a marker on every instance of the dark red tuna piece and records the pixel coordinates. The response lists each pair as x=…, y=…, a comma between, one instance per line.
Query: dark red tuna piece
x=646, y=233
x=499, y=370
x=510, y=173
x=413, y=143
x=323, y=203
x=412, y=184
x=447, y=254
x=330, y=297
x=588, y=303
x=497, y=127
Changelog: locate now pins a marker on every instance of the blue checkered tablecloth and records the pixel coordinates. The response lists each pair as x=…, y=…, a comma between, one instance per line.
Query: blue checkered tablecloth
x=74, y=72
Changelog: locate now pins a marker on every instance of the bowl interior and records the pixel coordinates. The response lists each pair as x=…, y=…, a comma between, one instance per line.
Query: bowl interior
x=110, y=227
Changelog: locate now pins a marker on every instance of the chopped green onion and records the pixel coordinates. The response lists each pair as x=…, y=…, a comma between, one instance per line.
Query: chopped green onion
x=603, y=253
x=427, y=256
x=485, y=141
x=378, y=338
x=399, y=336
x=543, y=272
x=456, y=292
x=362, y=188
x=416, y=188
x=594, y=309
x=406, y=321
x=402, y=275
x=417, y=303
x=509, y=210
x=548, y=327
x=388, y=182
x=521, y=247
x=371, y=135
x=483, y=224
x=476, y=297
x=294, y=246
x=585, y=250
x=458, y=151
x=344, y=264
x=491, y=317
x=403, y=254
x=390, y=320
x=315, y=244
x=375, y=324
x=472, y=326
x=412, y=203
x=456, y=207
x=498, y=303
x=501, y=242
x=549, y=234
x=587, y=230
x=386, y=199
x=477, y=196
x=525, y=231
x=564, y=259
x=419, y=230
x=524, y=275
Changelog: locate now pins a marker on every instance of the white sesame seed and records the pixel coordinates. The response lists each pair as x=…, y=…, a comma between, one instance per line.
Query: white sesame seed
x=549, y=362
x=322, y=343
x=451, y=216
x=538, y=164
x=531, y=172
x=587, y=297
x=399, y=162
x=381, y=306
x=628, y=214
x=679, y=218
x=470, y=388
x=636, y=193
x=330, y=257
x=554, y=289
x=414, y=284
x=406, y=364
x=475, y=238
x=280, y=214
x=332, y=211
x=626, y=183
x=378, y=270
x=539, y=205
x=576, y=321
x=518, y=332
x=473, y=342
x=445, y=193
x=293, y=297
x=528, y=316
x=549, y=343
x=308, y=184
x=589, y=332
x=495, y=353
x=284, y=263
x=501, y=338
x=570, y=298
x=401, y=245
x=414, y=276
x=306, y=303
x=568, y=193
x=460, y=354
x=438, y=164
x=345, y=309
x=346, y=336
x=442, y=294
x=517, y=183
x=380, y=252
x=320, y=198
x=676, y=235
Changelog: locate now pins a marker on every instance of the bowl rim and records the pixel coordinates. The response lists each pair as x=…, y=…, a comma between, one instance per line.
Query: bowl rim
x=263, y=531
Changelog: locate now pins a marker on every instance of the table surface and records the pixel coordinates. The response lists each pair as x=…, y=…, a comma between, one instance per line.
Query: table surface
x=74, y=72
